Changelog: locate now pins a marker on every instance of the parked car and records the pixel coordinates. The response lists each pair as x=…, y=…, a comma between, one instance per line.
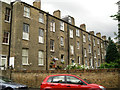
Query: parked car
x=7, y=84
x=67, y=82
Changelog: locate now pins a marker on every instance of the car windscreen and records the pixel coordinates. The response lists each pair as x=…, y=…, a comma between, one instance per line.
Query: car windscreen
x=3, y=79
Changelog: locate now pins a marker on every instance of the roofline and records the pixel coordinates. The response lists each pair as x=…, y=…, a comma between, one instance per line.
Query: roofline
x=61, y=20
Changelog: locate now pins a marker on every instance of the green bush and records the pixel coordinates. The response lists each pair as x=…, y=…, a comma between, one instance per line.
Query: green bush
x=75, y=66
x=115, y=64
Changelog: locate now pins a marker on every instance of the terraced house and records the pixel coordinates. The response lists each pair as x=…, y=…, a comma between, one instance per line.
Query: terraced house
x=32, y=39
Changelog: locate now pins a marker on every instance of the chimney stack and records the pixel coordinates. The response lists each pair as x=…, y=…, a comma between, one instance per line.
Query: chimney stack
x=57, y=13
x=98, y=34
x=37, y=4
x=104, y=37
x=91, y=32
x=83, y=27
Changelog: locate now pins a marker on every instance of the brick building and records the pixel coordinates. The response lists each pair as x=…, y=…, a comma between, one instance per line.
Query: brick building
x=32, y=39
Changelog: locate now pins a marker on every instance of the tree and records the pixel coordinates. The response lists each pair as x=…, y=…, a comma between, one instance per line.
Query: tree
x=111, y=51
x=117, y=17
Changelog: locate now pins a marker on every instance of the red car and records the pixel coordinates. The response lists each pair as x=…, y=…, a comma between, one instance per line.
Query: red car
x=69, y=82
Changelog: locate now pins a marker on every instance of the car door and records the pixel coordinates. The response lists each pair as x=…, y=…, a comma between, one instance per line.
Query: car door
x=56, y=82
x=75, y=83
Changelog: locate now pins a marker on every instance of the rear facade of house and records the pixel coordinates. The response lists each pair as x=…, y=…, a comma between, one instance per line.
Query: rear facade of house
x=32, y=39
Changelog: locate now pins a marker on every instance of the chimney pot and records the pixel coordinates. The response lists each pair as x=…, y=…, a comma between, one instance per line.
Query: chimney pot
x=83, y=26
x=57, y=13
x=37, y=4
x=104, y=37
x=98, y=34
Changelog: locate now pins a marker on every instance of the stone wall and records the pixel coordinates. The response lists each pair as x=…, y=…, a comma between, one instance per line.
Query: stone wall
x=110, y=78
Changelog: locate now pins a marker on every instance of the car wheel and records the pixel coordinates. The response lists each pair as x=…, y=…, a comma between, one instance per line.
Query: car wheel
x=8, y=89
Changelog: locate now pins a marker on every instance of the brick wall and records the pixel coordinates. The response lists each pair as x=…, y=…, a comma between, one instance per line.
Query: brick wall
x=109, y=78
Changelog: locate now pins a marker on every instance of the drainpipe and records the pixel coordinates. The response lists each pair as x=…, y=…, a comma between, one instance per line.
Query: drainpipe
x=82, y=49
x=46, y=41
x=68, y=44
x=8, y=62
x=92, y=50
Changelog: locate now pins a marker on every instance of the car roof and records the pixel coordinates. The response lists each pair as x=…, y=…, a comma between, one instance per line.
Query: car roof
x=61, y=75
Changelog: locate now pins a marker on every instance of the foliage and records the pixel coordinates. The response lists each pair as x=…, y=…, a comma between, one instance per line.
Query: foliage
x=115, y=64
x=111, y=53
x=117, y=17
x=75, y=66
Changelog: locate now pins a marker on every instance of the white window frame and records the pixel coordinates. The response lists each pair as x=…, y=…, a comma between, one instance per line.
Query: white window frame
x=69, y=20
x=102, y=56
x=94, y=54
x=77, y=32
x=52, y=26
x=79, y=60
x=72, y=49
x=26, y=12
x=7, y=15
x=3, y=57
x=41, y=17
x=85, y=52
x=6, y=38
x=62, y=26
x=98, y=51
x=71, y=33
x=25, y=32
x=94, y=42
x=101, y=45
x=98, y=62
x=84, y=38
x=62, y=41
x=89, y=39
x=41, y=36
x=78, y=45
x=40, y=58
x=91, y=62
x=62, y=59
x=86, y=63
x=98, y=41
x=89, y=48
x=26, y=56
x=52, y=46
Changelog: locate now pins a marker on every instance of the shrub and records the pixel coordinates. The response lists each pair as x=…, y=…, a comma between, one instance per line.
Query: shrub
x=76, y=66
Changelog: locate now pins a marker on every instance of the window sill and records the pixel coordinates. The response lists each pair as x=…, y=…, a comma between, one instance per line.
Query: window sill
x=78, y=36
x=41, y=43
x=26, y=17
x=5, y=44
x=71, y=37
x=40, y=65
x=62, y=45
x=25, y=39
x=62, y=30
x=41, y=22
x=25, y=64
x=7, y=21
x=52, y=51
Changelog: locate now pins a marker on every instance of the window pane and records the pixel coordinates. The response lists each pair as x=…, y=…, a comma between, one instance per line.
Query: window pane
x=52, y=45
x=40, y=57
x=58, y=79
x=25, y=31
x=6, y=37
x=72, y=80
x=24, y=56
x=7, y=14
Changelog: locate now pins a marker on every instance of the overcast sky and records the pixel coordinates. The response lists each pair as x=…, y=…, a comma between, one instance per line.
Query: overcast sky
x=94, y=13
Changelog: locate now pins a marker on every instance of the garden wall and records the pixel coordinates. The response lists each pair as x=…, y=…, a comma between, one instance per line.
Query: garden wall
x=110, y=78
